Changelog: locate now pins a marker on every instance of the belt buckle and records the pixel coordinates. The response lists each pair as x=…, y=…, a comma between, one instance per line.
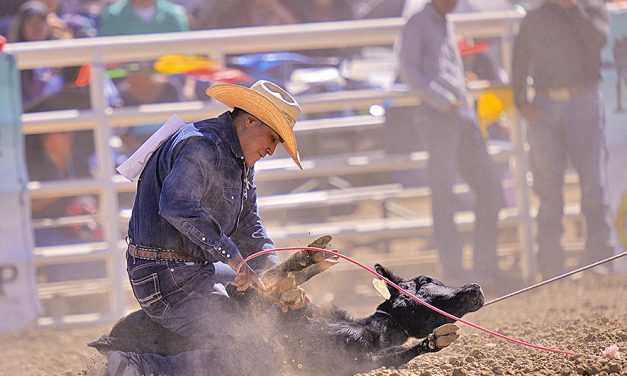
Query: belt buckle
x=559, y=95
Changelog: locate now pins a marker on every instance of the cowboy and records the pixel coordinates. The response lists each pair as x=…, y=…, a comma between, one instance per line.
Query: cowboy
x=196, y=205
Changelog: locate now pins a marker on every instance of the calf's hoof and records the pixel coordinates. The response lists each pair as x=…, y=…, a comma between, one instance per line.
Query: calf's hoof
x=442, y=336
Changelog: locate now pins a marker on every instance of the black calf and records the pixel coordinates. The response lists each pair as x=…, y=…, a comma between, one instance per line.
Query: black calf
x=320, y=341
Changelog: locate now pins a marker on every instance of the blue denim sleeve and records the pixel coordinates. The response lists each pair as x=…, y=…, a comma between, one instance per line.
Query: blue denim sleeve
x=181, y=197
x=251, y=236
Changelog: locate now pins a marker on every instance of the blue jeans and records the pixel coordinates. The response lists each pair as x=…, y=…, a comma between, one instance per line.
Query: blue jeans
x=571, y=131
x=185, y=298
x=455, y=146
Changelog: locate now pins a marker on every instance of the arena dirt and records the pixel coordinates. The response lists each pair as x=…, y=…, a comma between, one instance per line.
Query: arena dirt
x=584, y=314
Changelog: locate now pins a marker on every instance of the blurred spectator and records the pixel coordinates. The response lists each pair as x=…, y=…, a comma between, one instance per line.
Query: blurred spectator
x=8, y=9
x=559, y=47
x=50, y=157
x=73, y=95
x=87, y=9
x=59, y=29
x=384, y=9
x=144, y=86
x=194, y=8
x=69, y=23
x=323, y=10
x=248, y=13
x=129, y=17
x=430, y=64
x=30, y=25
x=53, y=156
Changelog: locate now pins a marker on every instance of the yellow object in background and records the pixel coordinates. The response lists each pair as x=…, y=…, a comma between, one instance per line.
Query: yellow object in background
x=177, y=64
x=491, y=104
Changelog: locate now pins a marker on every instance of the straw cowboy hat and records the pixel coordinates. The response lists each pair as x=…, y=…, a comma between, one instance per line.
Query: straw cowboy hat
x=269, y=103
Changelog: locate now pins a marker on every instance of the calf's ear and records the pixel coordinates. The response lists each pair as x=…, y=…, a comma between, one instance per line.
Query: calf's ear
x=387, y=274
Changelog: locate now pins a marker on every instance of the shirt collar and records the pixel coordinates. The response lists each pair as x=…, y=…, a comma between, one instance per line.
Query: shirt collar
x=230, y=133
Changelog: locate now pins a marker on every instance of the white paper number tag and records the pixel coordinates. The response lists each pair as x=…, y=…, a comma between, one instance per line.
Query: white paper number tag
x=134, y=165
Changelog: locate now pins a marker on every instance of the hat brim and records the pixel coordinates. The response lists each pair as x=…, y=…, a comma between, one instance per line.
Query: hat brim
x=261, y=107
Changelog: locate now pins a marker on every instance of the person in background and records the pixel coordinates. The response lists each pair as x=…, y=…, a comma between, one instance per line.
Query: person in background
x=430, y=64
x=89, y=10
x=194, y=8
x=58, y=27
x=323, y=10
x=559, y=47
x=196, y=205
x=131, y=17
x=8, y=9
x=64, y=20
x=248, y=13
x=30, y=25
x=58, y=156
x=144, y=86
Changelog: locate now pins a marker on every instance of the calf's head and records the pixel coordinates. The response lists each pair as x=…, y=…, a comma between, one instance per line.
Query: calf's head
x=419, y=320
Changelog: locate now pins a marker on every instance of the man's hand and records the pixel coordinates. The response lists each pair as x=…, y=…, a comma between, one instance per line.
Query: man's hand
x=246, y=277
x=531, y=113
x=467, y=103
x=456, y=106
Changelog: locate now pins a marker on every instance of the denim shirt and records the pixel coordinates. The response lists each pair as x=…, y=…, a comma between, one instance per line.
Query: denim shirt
x=196, y=195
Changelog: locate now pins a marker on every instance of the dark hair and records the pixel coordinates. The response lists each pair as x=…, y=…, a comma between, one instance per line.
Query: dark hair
x=237, y=112
x=32, y=8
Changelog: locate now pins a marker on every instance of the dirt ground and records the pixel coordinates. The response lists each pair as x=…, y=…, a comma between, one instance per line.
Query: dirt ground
x=584, y=314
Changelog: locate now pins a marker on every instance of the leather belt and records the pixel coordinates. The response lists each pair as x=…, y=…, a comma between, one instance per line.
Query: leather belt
x=564, y=94
x=147, y=253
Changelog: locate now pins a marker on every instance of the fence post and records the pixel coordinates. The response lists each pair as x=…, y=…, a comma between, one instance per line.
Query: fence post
x=109, y=208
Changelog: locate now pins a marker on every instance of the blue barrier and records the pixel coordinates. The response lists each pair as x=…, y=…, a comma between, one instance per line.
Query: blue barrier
x=19, y=306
